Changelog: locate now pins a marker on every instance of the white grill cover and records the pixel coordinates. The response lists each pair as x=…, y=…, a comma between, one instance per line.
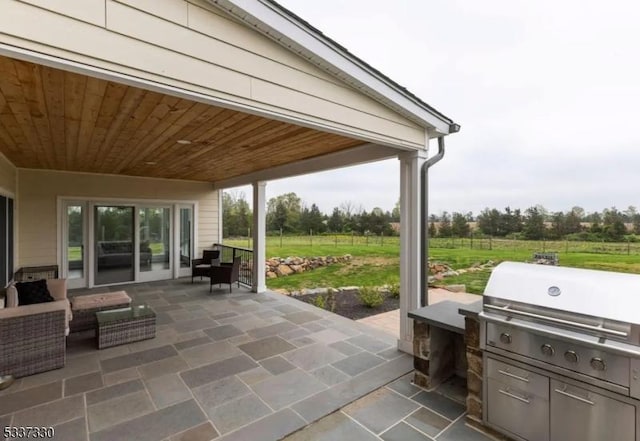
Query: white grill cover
x=604, y=294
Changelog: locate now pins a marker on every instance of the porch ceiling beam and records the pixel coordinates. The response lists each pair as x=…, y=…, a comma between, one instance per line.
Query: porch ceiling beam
x=358, y=155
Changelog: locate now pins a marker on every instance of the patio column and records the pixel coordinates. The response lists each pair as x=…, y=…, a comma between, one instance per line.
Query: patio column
x=410, y=237
x=259, y=233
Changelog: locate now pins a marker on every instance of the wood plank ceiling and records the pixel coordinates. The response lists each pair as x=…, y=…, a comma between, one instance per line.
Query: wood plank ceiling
x=53, y=119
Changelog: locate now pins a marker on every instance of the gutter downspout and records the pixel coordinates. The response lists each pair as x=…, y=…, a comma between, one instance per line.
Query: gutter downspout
x=424, y=211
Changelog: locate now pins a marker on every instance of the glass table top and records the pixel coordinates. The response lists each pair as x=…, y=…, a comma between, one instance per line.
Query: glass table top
x=136, y=310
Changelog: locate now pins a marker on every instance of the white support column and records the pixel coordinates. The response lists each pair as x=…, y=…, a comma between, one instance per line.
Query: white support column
x=410, y=237
x=259, y=236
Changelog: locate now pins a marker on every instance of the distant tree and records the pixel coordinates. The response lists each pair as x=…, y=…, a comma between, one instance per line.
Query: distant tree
x=283, y=212
x=395, y=213
x=311, y=220
x=596, y=223
x=636, y=223
x=489, y=221
x=459, y=225
x=578, y=211
x=533, y=228
x=629, y=213
x=445, y=225
x=236, y=214
x=510, y=222
x=558, y=225
x=613, y=227
x=336, y=221
x=572, y=222
x=432, y=230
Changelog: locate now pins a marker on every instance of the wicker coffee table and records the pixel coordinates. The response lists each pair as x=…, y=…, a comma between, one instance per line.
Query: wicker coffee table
x=126, y=325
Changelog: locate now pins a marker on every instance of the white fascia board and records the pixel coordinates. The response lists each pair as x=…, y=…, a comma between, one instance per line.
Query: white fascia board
x=294, y=35
x=345, y=158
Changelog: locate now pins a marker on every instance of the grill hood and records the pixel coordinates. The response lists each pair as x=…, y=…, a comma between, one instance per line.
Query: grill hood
x=603, y=294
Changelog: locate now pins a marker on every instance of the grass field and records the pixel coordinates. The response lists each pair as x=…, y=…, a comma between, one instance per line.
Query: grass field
x=376, y=263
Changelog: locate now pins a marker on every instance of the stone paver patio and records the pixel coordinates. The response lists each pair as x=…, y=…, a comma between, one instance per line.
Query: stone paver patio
x=223, y=366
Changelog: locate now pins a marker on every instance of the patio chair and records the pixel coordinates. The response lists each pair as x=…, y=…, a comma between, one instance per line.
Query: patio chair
x=225, y=273
x=201, y=267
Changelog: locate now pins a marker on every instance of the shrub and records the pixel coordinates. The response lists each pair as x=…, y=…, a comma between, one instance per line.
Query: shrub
x=370, y=297
x=394, y=290
x=319, y=301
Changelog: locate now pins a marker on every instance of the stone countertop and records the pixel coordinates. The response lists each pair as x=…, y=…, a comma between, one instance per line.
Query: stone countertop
x=471, y=309
x=443, y=315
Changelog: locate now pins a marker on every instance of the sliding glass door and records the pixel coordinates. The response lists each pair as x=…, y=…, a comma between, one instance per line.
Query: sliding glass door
x=154, y=229
x=114, y=244
x=185, y=239
x=74, y=237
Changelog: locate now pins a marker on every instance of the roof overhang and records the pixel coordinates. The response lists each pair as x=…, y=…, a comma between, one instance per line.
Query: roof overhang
x=289, y=30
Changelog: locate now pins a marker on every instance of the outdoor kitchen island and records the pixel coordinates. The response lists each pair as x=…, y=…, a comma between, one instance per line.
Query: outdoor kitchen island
x=552, y=353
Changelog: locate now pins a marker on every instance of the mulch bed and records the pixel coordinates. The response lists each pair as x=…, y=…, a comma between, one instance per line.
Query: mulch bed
x=349, y=305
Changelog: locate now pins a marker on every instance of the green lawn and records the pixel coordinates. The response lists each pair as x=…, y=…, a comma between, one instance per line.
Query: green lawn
x=375, y=264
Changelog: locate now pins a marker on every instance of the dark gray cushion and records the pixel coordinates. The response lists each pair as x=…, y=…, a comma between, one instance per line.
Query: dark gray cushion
x=33, y=292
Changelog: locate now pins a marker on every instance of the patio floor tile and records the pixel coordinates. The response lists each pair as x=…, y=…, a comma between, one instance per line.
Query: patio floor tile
x=313, y=356
x=217, y=393
x=405, y=386
x=167, y=389
x=267, y=331
x=327, y=336
x=404, y=432
x=191, y=343
x=223, y=332
x=271, y=428
x=116, y=390
x=82, y=383
x=162, y=367
x=369, y=343
x=459, y=431
x=329, y=375
x=441, y=404
x=287, y=388
x=137, y=358
x=30, y=397
x=254, y=376
x=237, y=413
x=301, y=317
x=51, y=413
x=336, y=426
x=427, y=421
x=215, y=371
x=203, y=432
x=358, y=363
x=155, y=426
x=345, y=348
x=117, y=410
x=277, y=365
x=380, y=409
x=75, y=430
x=266, y=347
x=194, y=324
x=209, y=353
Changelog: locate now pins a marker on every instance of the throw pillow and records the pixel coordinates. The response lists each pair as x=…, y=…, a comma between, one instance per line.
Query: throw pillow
x=33, y=292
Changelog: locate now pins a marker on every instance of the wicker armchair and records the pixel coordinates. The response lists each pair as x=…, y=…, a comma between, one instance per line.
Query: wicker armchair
x=201, y=267
x=225, y=273
x=32, y=338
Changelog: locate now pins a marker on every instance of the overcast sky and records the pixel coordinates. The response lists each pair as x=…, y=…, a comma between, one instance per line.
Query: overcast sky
x=547, y=94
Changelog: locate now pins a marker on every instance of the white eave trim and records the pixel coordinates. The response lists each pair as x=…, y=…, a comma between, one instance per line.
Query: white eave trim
x=294, y=35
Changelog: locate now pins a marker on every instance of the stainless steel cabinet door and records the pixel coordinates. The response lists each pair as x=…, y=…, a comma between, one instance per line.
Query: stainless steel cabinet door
x=517, y=411
x=581, y=415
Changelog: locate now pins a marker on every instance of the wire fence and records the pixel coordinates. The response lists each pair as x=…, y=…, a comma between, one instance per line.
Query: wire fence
x=485, y=243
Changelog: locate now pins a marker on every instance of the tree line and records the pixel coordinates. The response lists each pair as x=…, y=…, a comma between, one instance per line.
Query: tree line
x=289, y=214
x=537, y=223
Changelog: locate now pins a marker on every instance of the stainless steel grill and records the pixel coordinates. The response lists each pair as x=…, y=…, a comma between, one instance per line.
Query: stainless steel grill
x=561, y=353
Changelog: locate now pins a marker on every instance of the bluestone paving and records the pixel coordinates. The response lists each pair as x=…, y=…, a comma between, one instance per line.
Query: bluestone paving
x=358, y=363
x=380, y=409
x=369, y=343
x=441, y=404
x=225, y=360
x=427, y=421
x=404, y=432
x=336, y=426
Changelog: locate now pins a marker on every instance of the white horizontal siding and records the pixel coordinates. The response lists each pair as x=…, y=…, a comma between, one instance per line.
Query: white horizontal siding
x=39, y=191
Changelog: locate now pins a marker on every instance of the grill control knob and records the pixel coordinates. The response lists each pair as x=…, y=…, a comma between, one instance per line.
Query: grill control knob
x=598, y=364
x=571, y=356
x=505, y=338
x=547, y=350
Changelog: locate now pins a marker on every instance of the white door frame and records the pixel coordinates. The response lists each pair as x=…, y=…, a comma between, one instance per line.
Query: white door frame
x=80, y=282
x=148, y=276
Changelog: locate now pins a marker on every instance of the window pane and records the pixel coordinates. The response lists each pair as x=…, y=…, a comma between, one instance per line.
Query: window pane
x=155, y=239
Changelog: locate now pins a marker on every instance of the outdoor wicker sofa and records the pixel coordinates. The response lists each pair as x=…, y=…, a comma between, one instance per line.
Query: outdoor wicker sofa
x=33, y=337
